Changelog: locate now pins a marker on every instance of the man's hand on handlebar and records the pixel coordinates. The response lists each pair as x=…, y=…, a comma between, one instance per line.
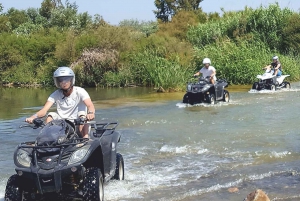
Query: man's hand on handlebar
x=29, y=120
x=90, y=116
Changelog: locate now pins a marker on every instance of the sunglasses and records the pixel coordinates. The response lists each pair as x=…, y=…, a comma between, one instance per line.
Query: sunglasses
x=64, y=79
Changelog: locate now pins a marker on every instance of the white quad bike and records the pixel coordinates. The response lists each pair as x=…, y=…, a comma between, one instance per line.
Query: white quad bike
x=271, y=82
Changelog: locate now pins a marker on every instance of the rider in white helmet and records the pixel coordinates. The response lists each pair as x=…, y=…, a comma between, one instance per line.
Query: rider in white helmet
x=207, y=71
x=275, y=66
x=71, y=101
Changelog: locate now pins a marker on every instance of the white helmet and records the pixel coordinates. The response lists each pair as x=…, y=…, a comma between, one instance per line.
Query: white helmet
x=275, y=58
x=206, y=61
x=63, y=74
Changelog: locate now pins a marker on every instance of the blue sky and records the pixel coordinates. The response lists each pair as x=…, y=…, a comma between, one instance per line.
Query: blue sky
x=114, y=11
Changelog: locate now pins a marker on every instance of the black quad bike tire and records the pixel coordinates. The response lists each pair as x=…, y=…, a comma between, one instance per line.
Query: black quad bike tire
x=93, y=185
x=120, y=171
x=287, y=85
x=185, y=99
x=13, y=191
x=273, y=87
x=255, y=86
x=226, y=96
x=211, y=99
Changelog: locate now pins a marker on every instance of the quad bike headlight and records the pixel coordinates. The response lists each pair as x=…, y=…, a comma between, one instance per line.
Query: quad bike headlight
x=23, y=158
x=189, y=87
x=78, y=155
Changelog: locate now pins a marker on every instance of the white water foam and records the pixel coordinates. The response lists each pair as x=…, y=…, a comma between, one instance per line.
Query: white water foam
x=182, y=149
x=218, y=104
x=275, y=154
x=265, y=91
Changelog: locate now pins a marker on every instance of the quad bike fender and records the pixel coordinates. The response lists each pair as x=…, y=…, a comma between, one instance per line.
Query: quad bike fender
x=94, y=157
x=281, y=78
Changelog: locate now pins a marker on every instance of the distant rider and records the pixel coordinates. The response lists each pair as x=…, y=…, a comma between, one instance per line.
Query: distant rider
x=208, y=71
x=71, y=101
x=275, y=65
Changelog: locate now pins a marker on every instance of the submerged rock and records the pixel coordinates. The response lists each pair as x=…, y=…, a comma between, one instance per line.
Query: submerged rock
x=233, y=190
x=257, y=195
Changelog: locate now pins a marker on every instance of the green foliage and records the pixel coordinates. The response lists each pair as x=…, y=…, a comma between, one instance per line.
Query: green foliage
x=166, y=9
x=23, y=73
x=1, y=7
x=179, y=25
x=46, y=8
x=265, y=24
x=17, y=17
x=151, y=69
x=165, y=53
x=147, y=28
x=5, y=25
x=291, y=34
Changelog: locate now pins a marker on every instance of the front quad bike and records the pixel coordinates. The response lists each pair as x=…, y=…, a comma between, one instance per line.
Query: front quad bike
x=59, y=165
x=271, y=82
x=203, y=91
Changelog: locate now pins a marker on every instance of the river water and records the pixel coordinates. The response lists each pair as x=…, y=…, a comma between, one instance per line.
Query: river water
x=173, y=151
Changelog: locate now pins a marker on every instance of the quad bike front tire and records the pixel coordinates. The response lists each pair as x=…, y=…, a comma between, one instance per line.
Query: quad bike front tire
x=13, y=191
x=120, y=171
x=93, y=185
x=273, y=87
x=185, y=99
x=211, y=99
x=226, y=96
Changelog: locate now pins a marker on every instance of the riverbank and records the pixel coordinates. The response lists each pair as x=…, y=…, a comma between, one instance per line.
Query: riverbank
x=161, y=55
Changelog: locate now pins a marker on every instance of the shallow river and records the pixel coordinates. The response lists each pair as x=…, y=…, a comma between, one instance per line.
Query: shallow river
x=177, y=152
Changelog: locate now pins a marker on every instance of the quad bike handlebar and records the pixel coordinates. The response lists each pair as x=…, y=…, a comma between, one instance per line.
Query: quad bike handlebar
x=37, y=123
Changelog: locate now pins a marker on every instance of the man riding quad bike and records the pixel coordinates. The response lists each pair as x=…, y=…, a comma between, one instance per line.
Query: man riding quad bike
x=71, y=157
x=272, y=79
x=208, y=89
x=60, y=165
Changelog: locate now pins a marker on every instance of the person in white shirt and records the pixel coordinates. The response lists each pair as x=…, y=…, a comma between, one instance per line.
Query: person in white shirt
x=207, y=71
x=72, y=102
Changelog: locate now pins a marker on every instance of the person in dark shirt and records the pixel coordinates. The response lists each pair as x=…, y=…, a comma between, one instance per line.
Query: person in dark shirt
x=275, y=66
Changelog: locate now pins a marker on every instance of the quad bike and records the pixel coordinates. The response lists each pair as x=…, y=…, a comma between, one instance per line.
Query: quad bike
x=203, y=91
x=59, y=165
x=271, y=82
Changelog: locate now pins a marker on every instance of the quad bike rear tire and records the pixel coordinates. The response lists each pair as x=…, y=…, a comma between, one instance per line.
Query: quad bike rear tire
x=211, y=99
x=120, y=171
x=255, y=86
x=93, y=185
x=13, y=191
x=287, y=85
x=226, y=96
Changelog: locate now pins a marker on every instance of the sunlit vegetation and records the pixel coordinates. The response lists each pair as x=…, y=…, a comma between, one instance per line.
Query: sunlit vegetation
x=161, y=54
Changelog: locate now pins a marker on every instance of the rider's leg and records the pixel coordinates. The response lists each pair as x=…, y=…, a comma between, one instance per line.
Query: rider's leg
x=276, y=71
x=279, y=73
x=52, y=116
x=212, y=80
x=84, y=130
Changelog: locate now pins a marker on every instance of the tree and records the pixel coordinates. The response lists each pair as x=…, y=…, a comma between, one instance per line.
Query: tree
x=46, y=8
x=168, y=8
x=17, y=17
x=1, y=7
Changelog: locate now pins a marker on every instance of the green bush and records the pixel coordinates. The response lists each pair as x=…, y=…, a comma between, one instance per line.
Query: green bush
x=150, y=69
x=265, y=24
x=240, y=63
